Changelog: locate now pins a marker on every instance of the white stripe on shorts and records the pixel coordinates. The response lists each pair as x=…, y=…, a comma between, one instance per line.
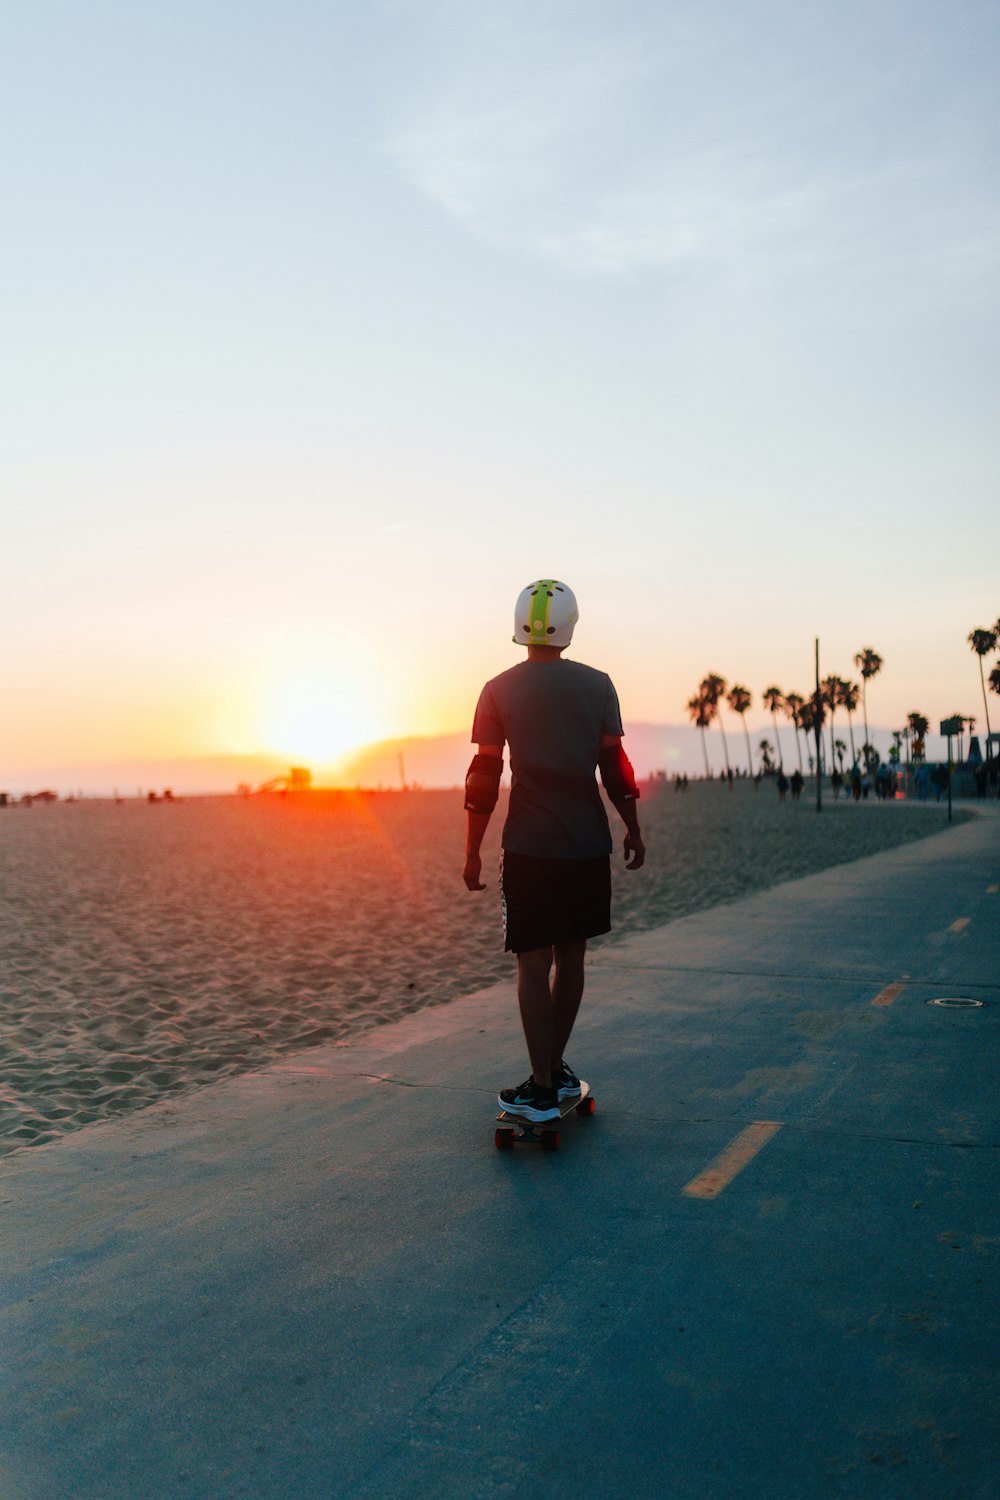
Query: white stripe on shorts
x=503, y=900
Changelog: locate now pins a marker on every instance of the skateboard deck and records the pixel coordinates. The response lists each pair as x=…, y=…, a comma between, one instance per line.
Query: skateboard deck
x=515, y=1130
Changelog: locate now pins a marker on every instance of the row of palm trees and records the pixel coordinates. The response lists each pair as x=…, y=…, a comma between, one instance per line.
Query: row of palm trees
x=809, y=713
x=805, y=713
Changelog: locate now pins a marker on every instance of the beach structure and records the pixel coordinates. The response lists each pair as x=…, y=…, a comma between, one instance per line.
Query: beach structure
x=296, y=779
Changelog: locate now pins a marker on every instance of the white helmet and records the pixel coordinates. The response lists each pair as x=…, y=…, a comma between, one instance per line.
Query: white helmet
x=545, y=614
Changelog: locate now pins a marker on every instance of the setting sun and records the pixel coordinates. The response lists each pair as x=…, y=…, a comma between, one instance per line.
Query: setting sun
x=316, y=716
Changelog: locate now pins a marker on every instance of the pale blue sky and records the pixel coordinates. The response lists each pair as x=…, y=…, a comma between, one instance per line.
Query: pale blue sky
x=327, y=326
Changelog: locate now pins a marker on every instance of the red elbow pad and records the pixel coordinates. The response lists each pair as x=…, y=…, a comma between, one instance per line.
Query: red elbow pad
x=617, y=774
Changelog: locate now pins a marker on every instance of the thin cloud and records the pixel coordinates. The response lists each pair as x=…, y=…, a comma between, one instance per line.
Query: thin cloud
x=516, y=143
x=614, y=154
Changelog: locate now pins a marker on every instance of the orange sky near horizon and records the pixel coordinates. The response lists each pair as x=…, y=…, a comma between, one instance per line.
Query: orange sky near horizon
x=311, y=701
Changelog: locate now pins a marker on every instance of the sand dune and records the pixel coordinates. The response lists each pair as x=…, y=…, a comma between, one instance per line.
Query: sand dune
x=149, y=949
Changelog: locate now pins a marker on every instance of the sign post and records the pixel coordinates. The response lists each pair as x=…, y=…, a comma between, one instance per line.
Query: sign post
x=948, y=728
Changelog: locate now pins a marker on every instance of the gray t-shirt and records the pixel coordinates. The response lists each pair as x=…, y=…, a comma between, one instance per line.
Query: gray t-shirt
x=552, y=715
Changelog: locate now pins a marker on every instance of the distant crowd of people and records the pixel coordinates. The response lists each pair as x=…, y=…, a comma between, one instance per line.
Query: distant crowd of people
x=857, y=784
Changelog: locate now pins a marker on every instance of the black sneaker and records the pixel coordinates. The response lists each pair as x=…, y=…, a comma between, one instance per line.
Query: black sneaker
x=565, y=1082
x=530, y=1101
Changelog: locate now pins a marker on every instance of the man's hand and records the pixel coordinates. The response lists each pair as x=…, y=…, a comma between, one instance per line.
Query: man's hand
x=635, y=851
x=471, y=873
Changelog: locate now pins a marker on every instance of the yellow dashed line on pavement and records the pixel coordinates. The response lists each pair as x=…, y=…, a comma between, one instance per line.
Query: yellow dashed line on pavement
x=960, y=925
x=889, y=994
x=717, y=1176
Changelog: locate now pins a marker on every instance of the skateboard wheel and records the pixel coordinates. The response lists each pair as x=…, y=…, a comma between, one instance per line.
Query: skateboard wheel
x=550, y=1140
x=586, y=1106
x=504, y=1140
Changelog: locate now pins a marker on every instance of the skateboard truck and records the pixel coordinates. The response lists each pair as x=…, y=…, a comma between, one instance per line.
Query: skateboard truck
x=515, y=1130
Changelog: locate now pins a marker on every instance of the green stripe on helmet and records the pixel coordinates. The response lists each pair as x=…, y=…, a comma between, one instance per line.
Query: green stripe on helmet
x=538, y=617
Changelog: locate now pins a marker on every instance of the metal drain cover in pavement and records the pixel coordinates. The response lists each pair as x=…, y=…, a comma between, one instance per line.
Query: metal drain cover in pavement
x=959, y=1004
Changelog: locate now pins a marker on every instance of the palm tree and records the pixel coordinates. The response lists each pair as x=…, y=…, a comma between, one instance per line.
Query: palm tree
x=840, y=747
x=713, y=686
x=793, y=707
x=960, y=721
x=810, y=714
x=869, y=664
x=994, y=681
x=700, y=713
x=918, y=725
x=773, y=700
x=830, y=688
x=766, y=763
x=850, y=696
x=739, y=699
x=982, y=643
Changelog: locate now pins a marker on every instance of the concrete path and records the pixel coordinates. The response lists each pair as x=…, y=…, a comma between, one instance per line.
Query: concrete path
x=766, y=1269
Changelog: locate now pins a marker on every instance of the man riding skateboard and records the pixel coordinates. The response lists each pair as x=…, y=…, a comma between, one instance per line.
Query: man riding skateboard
x=562, y=724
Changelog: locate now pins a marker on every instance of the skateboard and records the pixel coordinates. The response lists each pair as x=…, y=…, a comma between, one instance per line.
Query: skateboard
x=515, y=1130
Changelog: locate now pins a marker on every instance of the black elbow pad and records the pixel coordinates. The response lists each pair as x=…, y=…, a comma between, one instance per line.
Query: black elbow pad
x=617, y=774
x=482, y=783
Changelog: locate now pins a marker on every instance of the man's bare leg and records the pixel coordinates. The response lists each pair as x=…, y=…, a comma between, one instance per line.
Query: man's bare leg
x=534, y=998
x=567, y=992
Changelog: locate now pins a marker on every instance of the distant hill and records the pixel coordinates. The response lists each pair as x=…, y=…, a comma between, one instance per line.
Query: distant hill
x=442, y=760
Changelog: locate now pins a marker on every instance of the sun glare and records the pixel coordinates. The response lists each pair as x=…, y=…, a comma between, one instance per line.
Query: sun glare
x=316, y=717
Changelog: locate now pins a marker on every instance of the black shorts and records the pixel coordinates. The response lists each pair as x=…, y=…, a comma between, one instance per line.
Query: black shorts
x=548, y=901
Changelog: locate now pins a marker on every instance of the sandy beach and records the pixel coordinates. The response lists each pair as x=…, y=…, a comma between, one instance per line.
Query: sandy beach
x=150, y=949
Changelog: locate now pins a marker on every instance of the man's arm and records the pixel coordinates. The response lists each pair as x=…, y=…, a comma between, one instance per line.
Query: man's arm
x=619, y=783
x=481, y=786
